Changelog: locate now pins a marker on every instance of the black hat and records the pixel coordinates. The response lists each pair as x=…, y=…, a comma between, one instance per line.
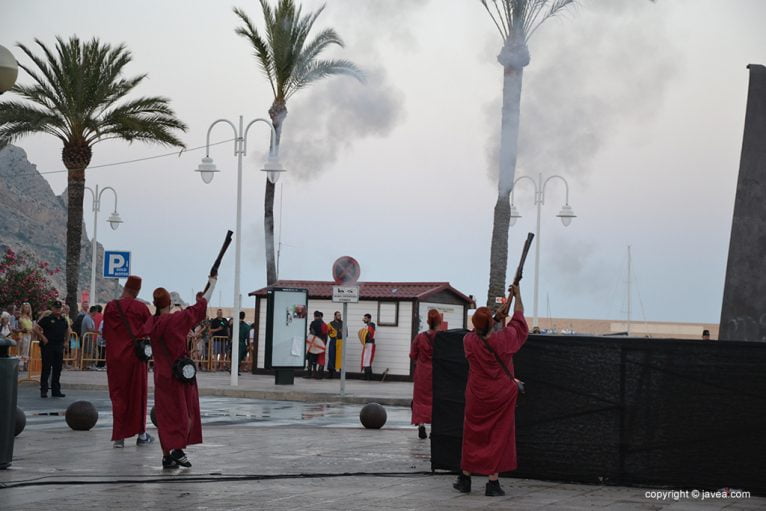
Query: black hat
x=318, y=313
x=56, y=304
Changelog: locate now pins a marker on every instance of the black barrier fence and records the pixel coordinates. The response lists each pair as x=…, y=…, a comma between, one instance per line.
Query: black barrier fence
x=678, y=413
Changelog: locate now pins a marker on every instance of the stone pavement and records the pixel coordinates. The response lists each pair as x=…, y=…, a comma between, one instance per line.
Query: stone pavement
x=274, y=455
x=262, y=387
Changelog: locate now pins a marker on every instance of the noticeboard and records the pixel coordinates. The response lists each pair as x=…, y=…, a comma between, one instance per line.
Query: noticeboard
x=286, y=327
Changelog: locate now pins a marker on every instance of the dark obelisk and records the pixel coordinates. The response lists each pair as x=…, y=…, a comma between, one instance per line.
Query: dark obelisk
x=743, y=314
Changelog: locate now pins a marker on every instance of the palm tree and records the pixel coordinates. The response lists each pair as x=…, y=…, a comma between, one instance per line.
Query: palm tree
x=291, y=62
x=78, y=96
x=516, y=20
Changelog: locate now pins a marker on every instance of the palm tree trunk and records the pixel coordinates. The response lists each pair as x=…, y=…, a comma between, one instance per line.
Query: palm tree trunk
x=278, y=113
x=509, y=141
x=75, y=191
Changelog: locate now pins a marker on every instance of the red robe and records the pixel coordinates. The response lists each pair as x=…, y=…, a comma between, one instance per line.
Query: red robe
x=422, y=352
x=489, y=429
x=176, y=404
x=127, y=375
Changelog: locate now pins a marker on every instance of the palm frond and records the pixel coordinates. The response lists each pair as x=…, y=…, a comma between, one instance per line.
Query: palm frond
x=519, y=19
x=262, y=52
x=317, y=69
x=78, y=92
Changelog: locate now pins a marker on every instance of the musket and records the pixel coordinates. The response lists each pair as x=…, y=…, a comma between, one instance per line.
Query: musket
x=503, y=311
x=217, y=263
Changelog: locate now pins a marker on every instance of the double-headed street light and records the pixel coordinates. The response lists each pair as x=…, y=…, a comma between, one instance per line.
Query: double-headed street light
x=114, y=222
x=207, y=170
x=566, y=215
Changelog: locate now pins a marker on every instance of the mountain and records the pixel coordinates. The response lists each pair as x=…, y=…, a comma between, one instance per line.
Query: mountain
x=33, y=219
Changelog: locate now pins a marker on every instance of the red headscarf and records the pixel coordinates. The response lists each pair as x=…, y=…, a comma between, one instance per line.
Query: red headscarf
x=161, y=298
x=434, y=318
x=482, y=320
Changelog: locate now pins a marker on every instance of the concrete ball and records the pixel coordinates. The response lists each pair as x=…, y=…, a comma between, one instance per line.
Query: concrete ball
x=21, y=421
x=81, y=415
x=373, y=416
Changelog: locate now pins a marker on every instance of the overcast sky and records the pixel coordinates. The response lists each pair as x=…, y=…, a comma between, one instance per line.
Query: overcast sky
x=639, y=105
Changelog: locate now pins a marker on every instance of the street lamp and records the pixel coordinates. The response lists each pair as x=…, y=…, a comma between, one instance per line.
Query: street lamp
x=566, y=215
x=9, y=69
x=207, y=170
x=114, y=222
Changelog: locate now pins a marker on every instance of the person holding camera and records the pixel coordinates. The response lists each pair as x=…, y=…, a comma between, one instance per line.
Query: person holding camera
x=489, y=426
x=127, y=375
x=176, y=397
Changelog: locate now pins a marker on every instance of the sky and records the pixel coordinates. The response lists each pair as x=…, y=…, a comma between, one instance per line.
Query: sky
x=639, y=105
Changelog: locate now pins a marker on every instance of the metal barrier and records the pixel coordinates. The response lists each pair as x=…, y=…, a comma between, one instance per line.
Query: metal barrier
x=73, y=353
x=90, y=353
x=35, y=365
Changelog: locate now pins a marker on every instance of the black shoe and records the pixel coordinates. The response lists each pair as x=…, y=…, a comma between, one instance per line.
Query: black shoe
x=169, y=462
x=422, y=432
x=463, y=483
x=493, y=489
x=43, y=395
x=58, y=394
x=180, y=458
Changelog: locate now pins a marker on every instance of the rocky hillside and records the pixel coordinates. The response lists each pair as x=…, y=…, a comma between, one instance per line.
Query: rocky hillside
x=33, y=218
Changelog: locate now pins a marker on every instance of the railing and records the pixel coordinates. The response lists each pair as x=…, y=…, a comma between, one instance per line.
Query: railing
x=91, y=353
x=73, y=353
x=35, y=365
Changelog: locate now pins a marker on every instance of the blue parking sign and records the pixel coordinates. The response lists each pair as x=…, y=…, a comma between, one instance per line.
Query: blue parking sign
x=116, y=264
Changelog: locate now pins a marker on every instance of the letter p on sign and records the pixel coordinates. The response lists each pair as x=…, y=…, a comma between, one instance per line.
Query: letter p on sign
x=116, y=264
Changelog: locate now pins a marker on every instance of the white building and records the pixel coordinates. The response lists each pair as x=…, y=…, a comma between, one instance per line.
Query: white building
x=399, y=310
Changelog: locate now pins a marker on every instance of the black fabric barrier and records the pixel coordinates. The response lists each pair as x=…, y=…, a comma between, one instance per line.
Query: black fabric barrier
x=677, y=413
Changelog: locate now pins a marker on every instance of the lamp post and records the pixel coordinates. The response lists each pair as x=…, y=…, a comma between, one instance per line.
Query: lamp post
x=207, y=170
x=114, y=222
x=566, y=215
x=9, y=69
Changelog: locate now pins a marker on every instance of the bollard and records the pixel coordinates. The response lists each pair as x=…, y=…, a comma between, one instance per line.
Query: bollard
x=9, y=369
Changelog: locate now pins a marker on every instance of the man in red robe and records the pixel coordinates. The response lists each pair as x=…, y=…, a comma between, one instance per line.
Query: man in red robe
x=127, y=375
x=489, y=429
x=421, y=353
x=176, y=403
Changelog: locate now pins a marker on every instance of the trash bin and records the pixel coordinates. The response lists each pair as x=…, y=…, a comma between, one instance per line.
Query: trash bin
x=9, y=368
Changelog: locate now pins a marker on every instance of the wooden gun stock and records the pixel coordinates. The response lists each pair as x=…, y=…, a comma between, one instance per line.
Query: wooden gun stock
x=503, y=311
x=217, y=263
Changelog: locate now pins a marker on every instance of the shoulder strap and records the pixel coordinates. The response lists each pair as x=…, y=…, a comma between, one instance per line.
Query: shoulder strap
x=124, y=319
x=497, y=357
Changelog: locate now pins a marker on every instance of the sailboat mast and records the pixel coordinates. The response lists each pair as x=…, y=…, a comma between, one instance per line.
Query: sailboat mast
x=628, y=327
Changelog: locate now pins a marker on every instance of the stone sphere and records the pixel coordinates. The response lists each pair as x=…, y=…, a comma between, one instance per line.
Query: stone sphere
x=373, y=416
x=153, y=416
x=81, y=415
x=21, y=421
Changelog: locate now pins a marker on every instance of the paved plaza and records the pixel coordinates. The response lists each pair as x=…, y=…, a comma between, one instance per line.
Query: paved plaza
x=272, y=454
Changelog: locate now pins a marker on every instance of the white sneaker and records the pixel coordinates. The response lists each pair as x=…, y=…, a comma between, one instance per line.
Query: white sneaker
x=119, y=444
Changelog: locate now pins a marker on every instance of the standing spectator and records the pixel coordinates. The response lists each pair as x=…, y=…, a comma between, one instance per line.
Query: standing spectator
x=176, y=402
x=26, y=328
x=127, y=375
x=219, y=332
x=367, y=336
x=88, y=326
x=5, y=322
x=335, y=345
x=77, y=323
x=421, y=353
x=489, y=426
x=53, y=330
x=244, y=335
x=317, y=343
x=706, y=335
x=98, y=318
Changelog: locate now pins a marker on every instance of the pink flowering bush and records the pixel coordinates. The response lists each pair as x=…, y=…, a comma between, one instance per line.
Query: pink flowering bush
x=25, y=279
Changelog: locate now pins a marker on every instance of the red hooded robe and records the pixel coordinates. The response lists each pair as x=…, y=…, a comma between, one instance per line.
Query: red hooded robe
x=422, y=352
x=126, y=374
x=176, y=403
x=489, y=429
